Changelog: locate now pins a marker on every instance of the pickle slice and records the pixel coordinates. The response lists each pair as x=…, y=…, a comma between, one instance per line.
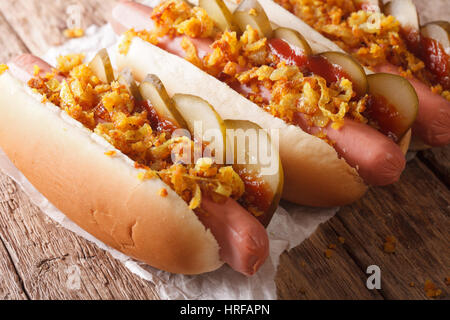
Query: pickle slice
x=203, y=121
x=294, y=38
x=253, y=165
x=219, y=13
x=405, y=12
x=152, y=89
x=397, y=110
x=250, y=12
x=102, y=67
x=126, y=78
x=352, y=68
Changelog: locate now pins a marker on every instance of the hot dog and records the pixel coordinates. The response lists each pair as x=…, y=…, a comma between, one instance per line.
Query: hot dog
x=155, y=226
x=242, y=239
x=372, y=155
x=433, y=119
x=404, y=51
x=129, y=14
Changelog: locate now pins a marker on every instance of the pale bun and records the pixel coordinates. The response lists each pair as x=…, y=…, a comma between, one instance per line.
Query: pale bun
x=102, y=194
x=314, y=174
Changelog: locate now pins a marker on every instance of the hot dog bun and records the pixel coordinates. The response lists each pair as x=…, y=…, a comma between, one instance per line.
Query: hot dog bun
x=102, y=194
x=314, y=174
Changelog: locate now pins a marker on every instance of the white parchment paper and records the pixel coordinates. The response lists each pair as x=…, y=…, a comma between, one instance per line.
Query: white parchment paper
x=287, y=229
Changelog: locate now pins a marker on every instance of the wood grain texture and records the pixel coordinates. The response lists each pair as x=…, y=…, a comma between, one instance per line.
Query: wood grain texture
x=11, y=285
x=438, y=159
x=11, y=44
x=40, y=260
x=417, y=219
x=306, y=273
x=40, y=24
x=420, y=222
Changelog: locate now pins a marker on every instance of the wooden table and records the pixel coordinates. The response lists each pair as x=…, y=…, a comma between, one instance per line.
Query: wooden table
x=37, y=255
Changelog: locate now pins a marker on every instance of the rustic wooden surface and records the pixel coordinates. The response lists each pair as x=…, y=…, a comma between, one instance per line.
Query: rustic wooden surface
x=38, y=257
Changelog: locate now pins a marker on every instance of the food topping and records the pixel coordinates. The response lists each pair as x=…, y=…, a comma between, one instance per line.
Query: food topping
x=133, y=127
x=390, y=244
x=74, y=33
x=435, y=58
x=375, y=38
x=431, y=290
x=259, y=69
x=163, y=192
x=328, y=253
x=393, y=116
x=3, y=68
x=219, y=13
x=251, y=13
x=175, y=17
x=110, y=153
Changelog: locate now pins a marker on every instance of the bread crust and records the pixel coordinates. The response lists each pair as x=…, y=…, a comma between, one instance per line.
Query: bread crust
x=102, y=194
x=314, y=174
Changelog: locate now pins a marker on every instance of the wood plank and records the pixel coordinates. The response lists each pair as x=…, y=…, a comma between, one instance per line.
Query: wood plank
x=11, y=44
x=40, y=24
x=306, y=273
x=48, y=258
x=415, y=211
x=11, y=286
x=438, y=160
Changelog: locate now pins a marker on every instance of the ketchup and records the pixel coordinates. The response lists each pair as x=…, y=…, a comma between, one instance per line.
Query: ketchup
x=156, y=121
x=432, y=53
x=385, y=116
x=290, y=54
x=315, y=64
x=437, y=60
x=257, y=194
x=379, y=110
x=322, y=67
x=101, y=114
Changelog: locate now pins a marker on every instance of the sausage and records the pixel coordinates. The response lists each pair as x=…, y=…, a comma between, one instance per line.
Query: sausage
x=244, y=243
x=22, y=66
x=129, y=14
x=378, y=159
x=433, y=119
x=243, y=240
